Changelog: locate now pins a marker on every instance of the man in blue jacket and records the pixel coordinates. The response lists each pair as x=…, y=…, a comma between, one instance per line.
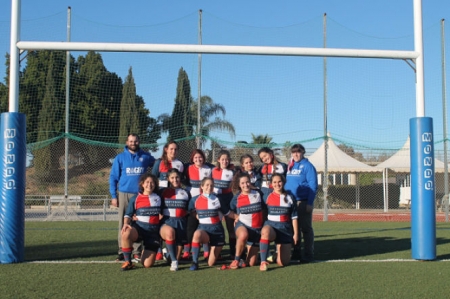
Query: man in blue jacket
x=301, y=181
x=127, y=167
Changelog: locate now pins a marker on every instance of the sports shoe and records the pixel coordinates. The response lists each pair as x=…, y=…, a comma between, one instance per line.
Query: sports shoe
x=159, y=256
x=194, y=267
x=136, y=258
x=272, y=258
x=186, y=256
x=263, y=266
x=242, y=264
x=174, y=266
x=234, y=265
x=127, y=266
x=120, y=257
x=206, y=255
x=166, y=256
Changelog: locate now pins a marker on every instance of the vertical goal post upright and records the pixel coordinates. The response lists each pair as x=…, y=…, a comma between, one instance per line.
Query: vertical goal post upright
x=422, y=173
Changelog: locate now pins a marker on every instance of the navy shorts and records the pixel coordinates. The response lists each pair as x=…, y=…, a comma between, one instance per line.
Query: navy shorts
x=151, y=239
x=215, y=232
x=283, y=231
x=254, y=235
x=179, y=225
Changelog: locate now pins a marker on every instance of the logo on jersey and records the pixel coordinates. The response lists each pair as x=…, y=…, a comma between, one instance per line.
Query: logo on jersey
x=134, y=170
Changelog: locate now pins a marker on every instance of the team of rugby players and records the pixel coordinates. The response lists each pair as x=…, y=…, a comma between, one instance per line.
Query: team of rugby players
x=184, y=205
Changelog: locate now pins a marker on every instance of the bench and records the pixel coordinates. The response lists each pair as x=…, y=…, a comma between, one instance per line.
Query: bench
x=59, y=199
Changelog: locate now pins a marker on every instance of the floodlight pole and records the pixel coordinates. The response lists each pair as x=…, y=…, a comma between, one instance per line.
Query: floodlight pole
x=325, y=124
x=66, y=139
x=199, y=83
x=444, y=111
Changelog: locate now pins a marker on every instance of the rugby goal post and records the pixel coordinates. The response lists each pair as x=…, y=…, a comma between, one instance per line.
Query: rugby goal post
x=13, y=152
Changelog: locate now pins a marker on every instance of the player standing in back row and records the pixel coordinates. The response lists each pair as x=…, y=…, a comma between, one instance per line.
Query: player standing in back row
x=126, y=170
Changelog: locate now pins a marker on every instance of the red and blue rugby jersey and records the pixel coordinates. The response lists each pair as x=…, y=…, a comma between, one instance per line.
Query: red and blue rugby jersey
x=249, y=208
x=281, y=207
x=194, y=177
x=267, y=170
x=208, y=209
x=175, y=202
x=222, y=180
x=160, y=170
x=147, y=209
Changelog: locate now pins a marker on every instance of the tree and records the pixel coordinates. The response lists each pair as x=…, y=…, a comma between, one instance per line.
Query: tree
x=209, y=109
x=180, y=123
x=129, y=122
x=262, y=139
x=46, y=159
x=95, y=108
x=351, y=152
x=134, y=117
x=33, y=87
x=149, y=127
x=4, y=91
x=286, y=150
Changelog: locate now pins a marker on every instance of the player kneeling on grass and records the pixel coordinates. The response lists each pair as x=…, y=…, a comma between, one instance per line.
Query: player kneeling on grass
x=281, y=224
x=146, y=206
x=209, y=213
x=247, y=205
x=173, y=228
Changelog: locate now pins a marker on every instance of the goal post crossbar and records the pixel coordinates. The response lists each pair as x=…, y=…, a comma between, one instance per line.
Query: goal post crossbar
x=216, y=49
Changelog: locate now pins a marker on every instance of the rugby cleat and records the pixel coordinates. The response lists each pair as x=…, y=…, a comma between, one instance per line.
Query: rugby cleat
x=136, y=258
x=194, y=267
x=159, y=256
x=234, y=265
x=127, y=266
x=174, y=266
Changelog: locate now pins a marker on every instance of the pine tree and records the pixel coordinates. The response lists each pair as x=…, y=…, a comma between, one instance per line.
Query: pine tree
x=181, y=121
x=129, y=122
x=4, y=91
x=51, y=124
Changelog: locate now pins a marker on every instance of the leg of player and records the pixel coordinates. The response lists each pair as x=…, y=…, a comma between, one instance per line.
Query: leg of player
x=284, y=254
x=129, y=235
x=214, y=255
x=148, y=258
x=241, y=239
x=268, y=234
x=200, y=236
x=168, y=234
x=231, y=236
x=252, y=255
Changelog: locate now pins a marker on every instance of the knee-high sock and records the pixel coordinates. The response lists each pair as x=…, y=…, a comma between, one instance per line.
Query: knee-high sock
x=263, y=249
x=172, y=247
x=195, y=251
x=127, y=253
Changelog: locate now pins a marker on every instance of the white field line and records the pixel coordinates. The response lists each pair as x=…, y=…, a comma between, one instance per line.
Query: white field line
x=292, y=262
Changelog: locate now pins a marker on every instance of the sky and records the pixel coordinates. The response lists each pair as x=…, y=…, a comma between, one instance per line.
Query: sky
x=381, y=24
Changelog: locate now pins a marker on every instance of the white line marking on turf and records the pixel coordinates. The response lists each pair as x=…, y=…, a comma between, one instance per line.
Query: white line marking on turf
x=293, y=261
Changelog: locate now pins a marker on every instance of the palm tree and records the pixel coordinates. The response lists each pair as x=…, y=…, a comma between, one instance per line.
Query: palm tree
x=209, y=109
x=262, y=139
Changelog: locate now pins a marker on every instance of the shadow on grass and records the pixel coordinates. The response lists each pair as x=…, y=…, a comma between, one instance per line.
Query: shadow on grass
x=360, y=247
x=63, y=251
